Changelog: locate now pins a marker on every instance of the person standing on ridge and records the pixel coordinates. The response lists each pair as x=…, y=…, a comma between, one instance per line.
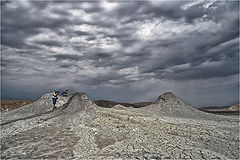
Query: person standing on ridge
x=55, y=97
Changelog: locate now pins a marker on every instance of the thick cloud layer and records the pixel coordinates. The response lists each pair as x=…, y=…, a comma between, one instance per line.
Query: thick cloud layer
x=125, y=51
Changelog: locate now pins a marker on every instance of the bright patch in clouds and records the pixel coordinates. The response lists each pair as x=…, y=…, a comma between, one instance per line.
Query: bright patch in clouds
x=109, y=6
x=161, y=29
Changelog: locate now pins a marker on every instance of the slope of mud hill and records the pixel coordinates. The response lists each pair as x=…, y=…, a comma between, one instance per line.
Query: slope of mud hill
x=43, y=105
x=79, y=129
x=167, y=105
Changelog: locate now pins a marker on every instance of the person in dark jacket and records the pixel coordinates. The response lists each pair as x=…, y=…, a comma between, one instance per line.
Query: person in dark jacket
x=55, y=97
x=65, y=93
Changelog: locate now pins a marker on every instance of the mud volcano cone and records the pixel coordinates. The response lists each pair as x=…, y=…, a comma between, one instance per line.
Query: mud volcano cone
x=168, y=105
x=39, y=107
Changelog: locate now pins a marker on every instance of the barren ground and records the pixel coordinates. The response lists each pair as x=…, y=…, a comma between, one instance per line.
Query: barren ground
x=79, y=129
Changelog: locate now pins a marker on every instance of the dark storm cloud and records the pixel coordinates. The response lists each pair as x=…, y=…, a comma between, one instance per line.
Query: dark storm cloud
x=100, y=79
x=167, y=10
x=19, y=23
x=72, y=57
x=49, y=43
x=223, y=69
x=128, y=44
x=65, y=65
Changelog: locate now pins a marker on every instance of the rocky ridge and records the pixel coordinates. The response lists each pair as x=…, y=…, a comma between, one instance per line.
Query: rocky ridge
x=79, y=129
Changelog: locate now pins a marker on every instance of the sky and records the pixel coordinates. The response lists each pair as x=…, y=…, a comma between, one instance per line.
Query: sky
x=123, y=51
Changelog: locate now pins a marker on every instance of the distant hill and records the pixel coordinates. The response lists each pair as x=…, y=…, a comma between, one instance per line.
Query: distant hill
x=110, y=104
x=227, y=111
x=224, y=108
x=13, y=104
x=141, y=104
x=214, y=107
x=234, y=107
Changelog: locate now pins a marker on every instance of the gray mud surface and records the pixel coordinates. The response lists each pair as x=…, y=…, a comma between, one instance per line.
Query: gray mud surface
x=79, y=129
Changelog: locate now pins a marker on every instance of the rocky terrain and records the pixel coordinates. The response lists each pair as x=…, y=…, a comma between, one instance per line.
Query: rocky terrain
x=79, y=129
x=13, y=104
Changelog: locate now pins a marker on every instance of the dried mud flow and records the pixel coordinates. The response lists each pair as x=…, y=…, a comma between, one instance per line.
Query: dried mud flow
x=79, y=129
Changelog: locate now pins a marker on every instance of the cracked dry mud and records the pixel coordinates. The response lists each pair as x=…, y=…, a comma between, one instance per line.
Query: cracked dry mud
x=79, y=129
